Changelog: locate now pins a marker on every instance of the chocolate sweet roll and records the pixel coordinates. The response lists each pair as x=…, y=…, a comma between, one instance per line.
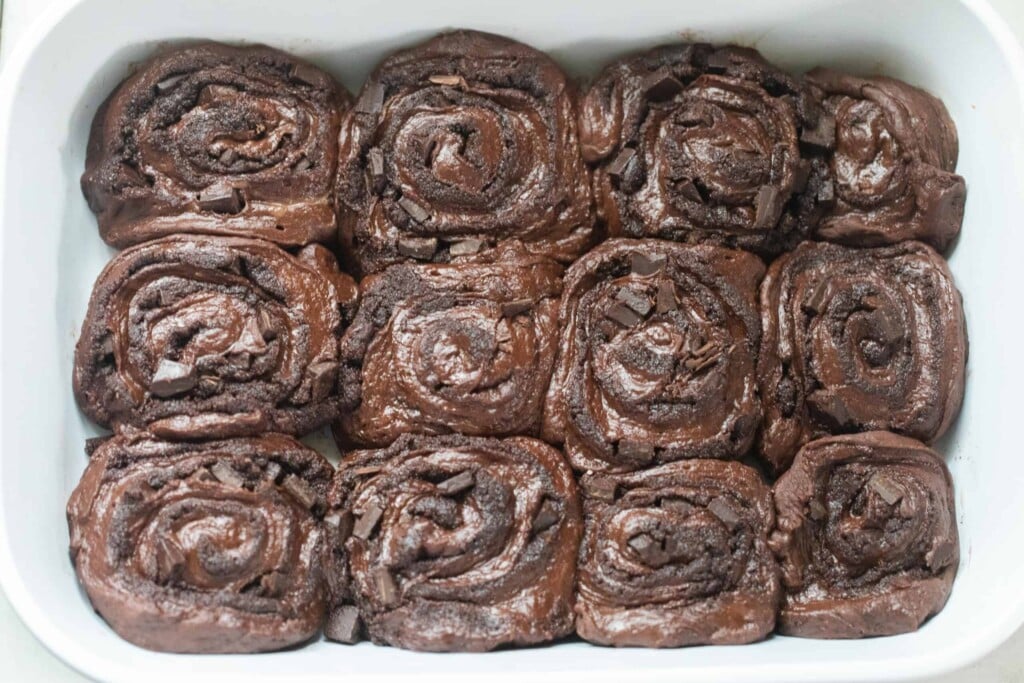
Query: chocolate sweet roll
x=858, y=340
x=893, y=162
x=451, y=348
x=215, y=139
x=866, y=536
x=656, y=360
x=206, y=337
x=457, y=144
x=677, y=555
x=209, y=547
x=702, y=144
x=454, y=543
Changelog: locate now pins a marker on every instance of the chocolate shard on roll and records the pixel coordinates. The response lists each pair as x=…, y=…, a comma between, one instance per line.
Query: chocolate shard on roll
x=457, y=144
x=866, y=536
x=210, y=547
x=213, y=139
x=656, y=360
x=208, y=337
x=455, y=543
x=451, y=348
x=677, y=555
x=892, y=164
x=695, y=143
x=858, y=340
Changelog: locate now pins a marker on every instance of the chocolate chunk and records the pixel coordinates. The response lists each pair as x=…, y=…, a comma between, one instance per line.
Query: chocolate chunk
x=601, y=488
x=367, y=521
x=265, y=325
x=226, y=474
x=688, y=190
x=830, y=408
x=371, y=100
x=341, y=524
x=466, y=247
x=273, y=584
x=546, y=515
x=421, y=248
x=666, y=299
x=886, y=489
x=250, y=339
x=637, y=302
x=660, y=86
x=168, y=84
x=635, y=451
x=221, y=199
x=172, y=378
x=449, y=80
x=375, y=167
x=387, y=590
x=725, y=512
x=211, y=93
x=649, y=550
x=416, y=212
x=676, y=505
x=511, y=309
x=228, y=156
x=647, y=264
x=816, y=299
x=801, y=174
x=617, y=168
x=272, y=471
x=818, y=511
x=827, y=193
x=821, y=137
x=457, y=484
x=767, y=207
x=343, y=625
x=718, y=62
x=303, y=164
x=623, y=315
x=322, y=379
x=305, y=73
x=301, y=491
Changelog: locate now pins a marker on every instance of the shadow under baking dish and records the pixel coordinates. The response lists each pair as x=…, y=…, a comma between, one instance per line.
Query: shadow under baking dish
x=51, y=252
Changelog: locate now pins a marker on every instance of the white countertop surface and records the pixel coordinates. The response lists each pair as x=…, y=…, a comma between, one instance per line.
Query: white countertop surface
x=23, y=658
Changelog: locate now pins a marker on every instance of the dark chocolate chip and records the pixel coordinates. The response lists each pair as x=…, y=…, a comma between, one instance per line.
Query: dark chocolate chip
x=886, y=489
x=226, y=474
x=822, y=136
x=416, y=212
x=635, y=451
x=367, y=521
x=546, y=515
x=214, y=92
x=305, y=73
x=617, y=168
x=830, y=408
x=301, y=491
x=639, y=303
x=767, y=207
x=718, y=62
x=343, y=625
x=322, y=379
x=228, y=156
x=387, y=590
x=341, y=524
x=660, y=86
x=649, y=550
x=371, y=100
x=688, y=190
x=221, y=199
x=600, y=488
x=725, y=512
x=466, y=247
x=623, y=315
x=457, y=484
x=375, y=167
x=421, y=248
x=511, y=309
x=168, y=84
x=666, y=300
x=172, y=378
x=647, y=264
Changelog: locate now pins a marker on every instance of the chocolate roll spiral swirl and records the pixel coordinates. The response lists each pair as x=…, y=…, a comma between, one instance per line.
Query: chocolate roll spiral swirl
x=859, y=340
x=215, y=139
x=895, y=153
x=866, y=536
x=458, y=144
x=211, y=547
x=656, y=361
x=455, y=543
x=206, y=337
x=451, y=348
x=677, y=555
x=698, y=144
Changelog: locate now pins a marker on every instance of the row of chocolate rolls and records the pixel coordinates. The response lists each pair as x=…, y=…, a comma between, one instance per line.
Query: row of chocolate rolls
x=471, y=140
x=463, y=543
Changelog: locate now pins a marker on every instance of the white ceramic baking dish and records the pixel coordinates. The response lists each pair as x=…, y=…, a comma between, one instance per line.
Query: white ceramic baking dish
x=51, y=253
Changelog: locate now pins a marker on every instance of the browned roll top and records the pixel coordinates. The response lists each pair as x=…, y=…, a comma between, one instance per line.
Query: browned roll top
x=656, y=360
x=859, y=340
x=443, y=348
x=216, y=139
x=895, y=153
x=677, y=555
x=213, y=547
x=866, y=536
x=454, y=543
x=199, y=337
x=701, y=144
x=459, y=143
